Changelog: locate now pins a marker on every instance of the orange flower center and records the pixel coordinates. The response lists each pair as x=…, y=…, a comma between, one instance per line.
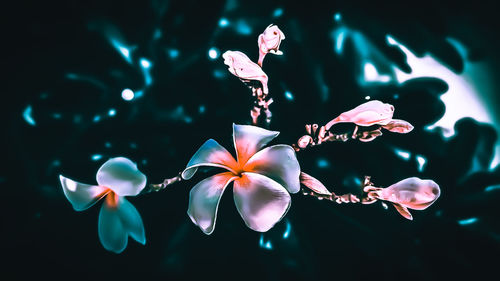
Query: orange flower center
x=238, y=170
x=112, y=199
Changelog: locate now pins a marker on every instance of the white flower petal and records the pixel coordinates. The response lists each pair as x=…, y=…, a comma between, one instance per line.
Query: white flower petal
x=122, y=176
x=250, y=139
x=209, y=154
x=131, y=220
x=118, y=221
x=204, y=200
x=81, y=196
x=260, y=201
x=279, y=163
x=111, y=231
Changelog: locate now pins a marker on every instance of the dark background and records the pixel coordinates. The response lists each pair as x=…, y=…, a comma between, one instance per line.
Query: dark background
x=47, y=41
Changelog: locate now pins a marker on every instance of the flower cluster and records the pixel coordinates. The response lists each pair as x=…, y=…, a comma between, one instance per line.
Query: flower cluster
x=262, y=178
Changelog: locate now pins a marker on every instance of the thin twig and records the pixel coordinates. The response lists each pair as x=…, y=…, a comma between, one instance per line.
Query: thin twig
x=317, y=135
x=163, y=185
x=261, y=105
x=367, y=187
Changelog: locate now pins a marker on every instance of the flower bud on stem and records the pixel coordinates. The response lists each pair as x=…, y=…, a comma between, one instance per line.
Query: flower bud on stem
x=370, y=118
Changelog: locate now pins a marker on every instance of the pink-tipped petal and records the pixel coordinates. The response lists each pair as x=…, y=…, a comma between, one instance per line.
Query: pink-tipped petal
x=81, y=196
x=279, y=163
x=204, y=200
x=261, y=201
x=413, y=193
x=117, y=222
x=250, y=139
x=398, y=126
x=212, y=154
x=121, y=176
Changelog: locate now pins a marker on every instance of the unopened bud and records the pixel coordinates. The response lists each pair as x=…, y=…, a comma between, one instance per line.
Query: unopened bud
x=304, y=141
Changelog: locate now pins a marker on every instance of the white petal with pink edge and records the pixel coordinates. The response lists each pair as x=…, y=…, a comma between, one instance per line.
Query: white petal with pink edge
x=204, y=200
x=212, y=154
x=261, y=201
x=279, y=163
x=250, y=139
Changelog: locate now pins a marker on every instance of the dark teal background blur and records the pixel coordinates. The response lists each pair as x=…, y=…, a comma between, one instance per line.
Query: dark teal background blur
x=193, y=98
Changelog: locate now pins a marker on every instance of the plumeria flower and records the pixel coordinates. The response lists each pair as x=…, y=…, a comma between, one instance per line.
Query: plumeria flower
x=269, y=42
x=117, y=178
x=262, y=179
x=411, y=193
x=245, y=69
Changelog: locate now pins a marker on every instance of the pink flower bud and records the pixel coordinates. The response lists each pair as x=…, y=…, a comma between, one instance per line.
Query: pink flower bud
x=398, y=126
x=270, y=40
x=313, y=184
x=308, y=129
x=245, y=69
x=367, y=114
x=412, y=193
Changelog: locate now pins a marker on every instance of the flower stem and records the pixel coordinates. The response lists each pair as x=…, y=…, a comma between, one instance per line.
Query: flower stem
x=261, y=105
x=367, y=197
x=261, y=58
x=339, y=199
x=163, y=185
x=317, y=135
